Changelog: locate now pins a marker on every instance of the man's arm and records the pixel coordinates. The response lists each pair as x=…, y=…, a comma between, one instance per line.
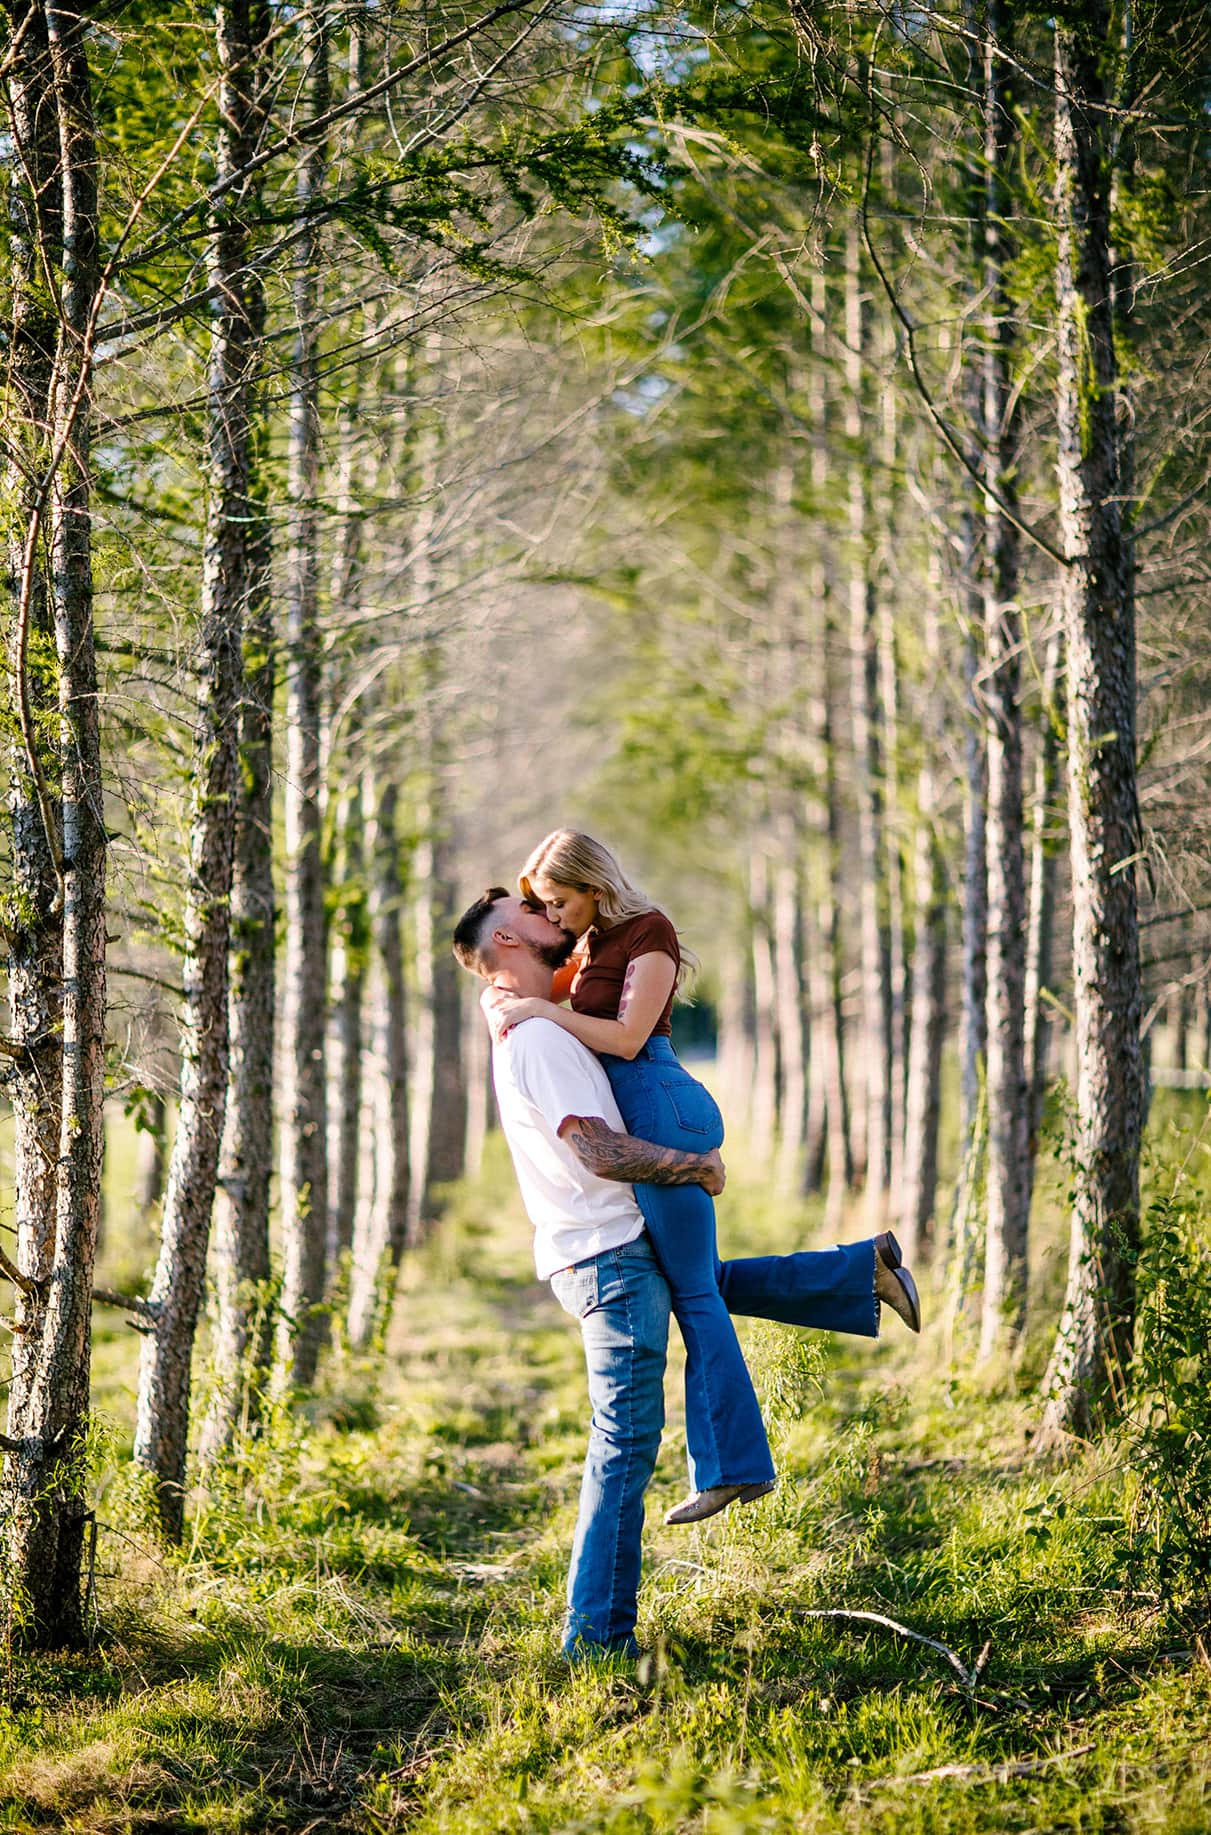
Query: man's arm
x=612, y=1155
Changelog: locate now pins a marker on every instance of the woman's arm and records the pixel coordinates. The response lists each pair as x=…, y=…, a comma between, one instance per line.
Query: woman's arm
x=645, y=992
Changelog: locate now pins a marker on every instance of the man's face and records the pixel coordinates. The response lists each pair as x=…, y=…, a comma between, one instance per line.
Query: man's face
x=543, y=939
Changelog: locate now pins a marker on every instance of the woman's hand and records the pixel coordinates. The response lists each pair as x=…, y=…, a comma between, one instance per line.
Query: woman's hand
x=506, y=1010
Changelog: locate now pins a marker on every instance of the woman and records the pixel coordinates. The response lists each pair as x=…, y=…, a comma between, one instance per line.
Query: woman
x=626, y=970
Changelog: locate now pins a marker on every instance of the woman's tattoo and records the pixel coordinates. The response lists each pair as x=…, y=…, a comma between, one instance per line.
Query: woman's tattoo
x=620, y=1156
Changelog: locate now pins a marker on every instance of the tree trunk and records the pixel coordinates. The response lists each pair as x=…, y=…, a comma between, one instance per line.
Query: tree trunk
x=1008, y=1181
x=346, y=1041
x=304, y=1170
x=383, y=1227
x=32, y=910
x=924, y=1094
x=1040, y=919
x=151, y=1161
x=243, y=1322
x=166, y=1363
x=788, y=992
x=1090, y=1361
x=895, y=954
x=874, y=1049
x=828, y=1095
x=764, y=1120
x=350, y=929
x=49, y=1392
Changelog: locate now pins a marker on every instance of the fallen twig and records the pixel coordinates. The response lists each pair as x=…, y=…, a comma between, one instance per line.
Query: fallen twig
x=968, y=1677
x=983, y=1774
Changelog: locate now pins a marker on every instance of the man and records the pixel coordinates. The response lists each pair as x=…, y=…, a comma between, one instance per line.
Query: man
x=575, y=1165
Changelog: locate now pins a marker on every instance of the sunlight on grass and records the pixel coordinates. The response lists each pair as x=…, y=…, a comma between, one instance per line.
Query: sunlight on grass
x=363, y=1631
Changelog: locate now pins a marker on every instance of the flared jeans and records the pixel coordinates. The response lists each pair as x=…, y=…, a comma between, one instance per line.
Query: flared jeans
x=830, y=1289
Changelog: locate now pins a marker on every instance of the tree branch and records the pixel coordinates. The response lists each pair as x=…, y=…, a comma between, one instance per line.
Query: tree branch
x=311, y=130
x=25, y=1282
x=126, y=1302
x=954, y=445
x=968, y=1677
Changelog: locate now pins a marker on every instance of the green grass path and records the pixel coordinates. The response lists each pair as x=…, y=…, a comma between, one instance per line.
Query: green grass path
x=363, y=1634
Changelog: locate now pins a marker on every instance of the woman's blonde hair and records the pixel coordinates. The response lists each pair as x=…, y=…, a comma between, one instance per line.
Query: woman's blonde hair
x=568, y=858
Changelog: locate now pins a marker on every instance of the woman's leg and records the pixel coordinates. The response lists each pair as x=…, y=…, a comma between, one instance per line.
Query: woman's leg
x=725, y=1435
x=832, y=1290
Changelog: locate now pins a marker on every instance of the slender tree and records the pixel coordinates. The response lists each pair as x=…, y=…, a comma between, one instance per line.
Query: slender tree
x=304, y=1173
x=162, y=1425
x=56, y=225
x=1008, y=1180
x=1093, y=1346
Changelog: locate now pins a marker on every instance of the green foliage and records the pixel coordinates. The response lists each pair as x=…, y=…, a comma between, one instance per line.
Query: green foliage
x=1170, y=1447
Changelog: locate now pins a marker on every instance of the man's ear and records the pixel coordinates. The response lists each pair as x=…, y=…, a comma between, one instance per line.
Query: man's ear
x=505, y=938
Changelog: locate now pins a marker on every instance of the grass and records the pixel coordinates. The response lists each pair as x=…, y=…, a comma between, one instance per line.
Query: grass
x=362, y=1634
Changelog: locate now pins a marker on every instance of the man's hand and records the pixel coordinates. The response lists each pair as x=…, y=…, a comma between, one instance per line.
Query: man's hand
x=714, y=1174
x=613, y=1155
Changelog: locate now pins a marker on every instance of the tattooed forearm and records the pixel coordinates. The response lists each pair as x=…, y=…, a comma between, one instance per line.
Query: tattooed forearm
x=612, y=1155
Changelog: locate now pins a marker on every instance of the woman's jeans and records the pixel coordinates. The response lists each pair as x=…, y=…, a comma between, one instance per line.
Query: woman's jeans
x=832, y=1290
x=622, y=1301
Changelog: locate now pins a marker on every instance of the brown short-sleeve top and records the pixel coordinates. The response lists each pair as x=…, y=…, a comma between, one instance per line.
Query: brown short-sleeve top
x=607, y=954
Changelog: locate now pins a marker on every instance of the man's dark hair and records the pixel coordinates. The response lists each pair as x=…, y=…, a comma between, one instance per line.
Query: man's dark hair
x=471, y=931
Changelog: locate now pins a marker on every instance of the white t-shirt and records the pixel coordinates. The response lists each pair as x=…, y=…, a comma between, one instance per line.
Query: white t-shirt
x=543, y=1075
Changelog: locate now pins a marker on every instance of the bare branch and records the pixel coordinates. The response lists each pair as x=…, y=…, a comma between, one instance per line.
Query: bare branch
x=968, y=1677
x=25, y=1282
x=126, y=1302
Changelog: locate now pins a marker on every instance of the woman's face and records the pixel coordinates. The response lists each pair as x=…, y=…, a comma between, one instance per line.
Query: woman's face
x=565, y=906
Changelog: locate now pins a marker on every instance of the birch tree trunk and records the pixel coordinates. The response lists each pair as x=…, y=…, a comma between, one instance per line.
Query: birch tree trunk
x=1089, y=1363
x=792, y=1042
x=1040, y=918
x=304, y=1148
x=350, y=938
x=895, y=955
x=923, y=1105
x=49, y=1392
x=1008, y=1185
x=874, y=1049
x=827, y=1085
x=346, y=1043
x=165, y=1367
x=383, y=1224
x=764, y=1119
x=243, y=1321
x=33, y=931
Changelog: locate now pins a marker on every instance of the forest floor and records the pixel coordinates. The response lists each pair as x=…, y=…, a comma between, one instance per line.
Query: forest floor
x=362, y=1632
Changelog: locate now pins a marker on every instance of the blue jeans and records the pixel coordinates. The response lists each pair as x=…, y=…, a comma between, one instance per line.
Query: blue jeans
x=831, y=1289
x=622, y=1301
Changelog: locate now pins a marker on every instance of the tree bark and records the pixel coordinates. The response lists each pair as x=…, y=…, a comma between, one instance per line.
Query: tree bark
x=243, y=1324
x=1008, y=1180
x=876, y=1019
x=383, y=1221
x=1090, y=1361
x=828, y=1093
x=764, y=1119
x=789, y=998
x=161, y=1430
x=350, y=929
x=49, y=1393
x=32, y=910
x=923, y=1104
x=1040, y=918
x=304, y=1162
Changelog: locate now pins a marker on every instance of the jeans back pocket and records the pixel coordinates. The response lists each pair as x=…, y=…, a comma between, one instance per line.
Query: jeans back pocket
x=694, y=1107
x=576, y=1288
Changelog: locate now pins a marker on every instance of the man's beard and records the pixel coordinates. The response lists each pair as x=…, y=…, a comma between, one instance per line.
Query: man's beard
x=554, y=955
